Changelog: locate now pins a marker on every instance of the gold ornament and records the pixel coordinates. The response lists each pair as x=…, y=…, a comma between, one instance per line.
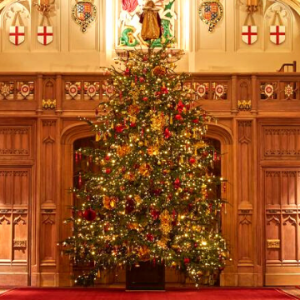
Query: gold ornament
x=158, y=122
x=145, y=170
x=159, y=71
x=153, y=150
x=165, y=224
x=129, y=176
x=144, y=253
x=133, y=110
x=138, y=199
x=162, y=243
x=109, y=202
x=123, y=150
x=133, y=226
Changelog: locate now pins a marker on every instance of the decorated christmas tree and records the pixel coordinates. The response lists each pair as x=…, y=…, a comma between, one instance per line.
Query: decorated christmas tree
x=148, y=193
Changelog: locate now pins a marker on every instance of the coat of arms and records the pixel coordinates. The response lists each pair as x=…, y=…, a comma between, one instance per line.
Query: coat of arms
x=84, y=13
x=211, y=12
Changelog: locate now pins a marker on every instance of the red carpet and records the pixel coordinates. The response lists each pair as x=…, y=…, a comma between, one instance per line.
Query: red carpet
x=98, y=294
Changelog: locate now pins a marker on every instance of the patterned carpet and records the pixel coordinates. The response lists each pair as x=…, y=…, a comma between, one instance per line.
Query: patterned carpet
x=98, y=294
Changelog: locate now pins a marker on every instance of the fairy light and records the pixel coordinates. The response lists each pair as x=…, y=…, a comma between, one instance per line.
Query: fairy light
x=146, y=190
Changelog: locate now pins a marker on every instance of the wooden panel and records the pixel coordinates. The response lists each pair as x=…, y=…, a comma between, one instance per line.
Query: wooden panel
x=49, y=158
x=15, y=141
x=282, y=224
x=5, y=237
x=245, y=239
x=281, y=142
x=20, y=241
x=273, y=233
x=48, y=244
x=289, y=238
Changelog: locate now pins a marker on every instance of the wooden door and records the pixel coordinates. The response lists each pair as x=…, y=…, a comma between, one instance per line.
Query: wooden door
x=282, y=191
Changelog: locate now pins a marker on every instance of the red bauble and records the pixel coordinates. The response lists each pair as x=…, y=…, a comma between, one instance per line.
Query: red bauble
x=108, y=171
x=177, y=183
x=150, y=237
x=130, y=206
x=155, y=214
x=107, y=157
x=145, y=98
x=127, y=71
x=186, y=261
x=132, y=125
x=192, y=160
x=89, y=214
x=164, y=90
x=119, y=128
x=205, y=154
x=179, y=117
x=180, y=107
x=167, y=133
x=196, y=121
x=142, y=79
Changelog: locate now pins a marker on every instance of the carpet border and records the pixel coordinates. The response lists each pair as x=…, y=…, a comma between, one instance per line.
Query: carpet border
x=7, y=292
x=285, y=293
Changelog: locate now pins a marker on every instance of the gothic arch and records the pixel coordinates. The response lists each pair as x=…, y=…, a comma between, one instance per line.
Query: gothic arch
x=6, y=18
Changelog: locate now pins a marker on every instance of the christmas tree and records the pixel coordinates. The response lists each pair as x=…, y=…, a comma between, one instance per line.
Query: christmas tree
x=148, y=193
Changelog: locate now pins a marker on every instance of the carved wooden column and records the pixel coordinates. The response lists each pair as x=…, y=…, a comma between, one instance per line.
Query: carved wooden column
x=48, y=202
x=248, y=274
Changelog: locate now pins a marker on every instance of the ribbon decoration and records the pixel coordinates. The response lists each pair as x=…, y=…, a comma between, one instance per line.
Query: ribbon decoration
x=17, y=33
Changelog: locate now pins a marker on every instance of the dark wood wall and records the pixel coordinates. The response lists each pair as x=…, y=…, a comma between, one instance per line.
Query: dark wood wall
x=259, y=130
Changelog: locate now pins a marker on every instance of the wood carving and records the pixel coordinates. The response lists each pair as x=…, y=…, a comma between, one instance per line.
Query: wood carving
x=19, y=219
x=49, y=140
x=290, y=220
x=273, y=244
x=245, y=221
x=245, y=132
x=4, y=218
x=282, y=142
x=14, y=141
x=20, y=244
x=273, y=219
x=49, y=221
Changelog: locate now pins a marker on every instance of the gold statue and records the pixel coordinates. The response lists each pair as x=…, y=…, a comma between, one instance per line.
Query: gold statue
x=151, y=22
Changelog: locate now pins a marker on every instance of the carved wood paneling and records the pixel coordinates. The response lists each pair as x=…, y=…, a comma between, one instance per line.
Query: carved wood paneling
x=245, y=160
x=15, y=141
x=281, y=188
x=49, y=159
x=14, y=187
x=48, y=244
x=5, y=237
x=20, y=236
x=245, y=239
x=281, y=142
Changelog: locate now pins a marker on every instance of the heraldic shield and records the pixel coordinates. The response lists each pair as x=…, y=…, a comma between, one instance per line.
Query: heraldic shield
x=211, y=12
x=16, y=35
x=45, y=35
x=84, y=13
x=249, y=34
x=277, y=34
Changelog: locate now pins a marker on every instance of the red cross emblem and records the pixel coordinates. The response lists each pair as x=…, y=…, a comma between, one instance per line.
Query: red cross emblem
x=249, y=34
x=17, y=34
x=277, y=34
x=45, y=35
